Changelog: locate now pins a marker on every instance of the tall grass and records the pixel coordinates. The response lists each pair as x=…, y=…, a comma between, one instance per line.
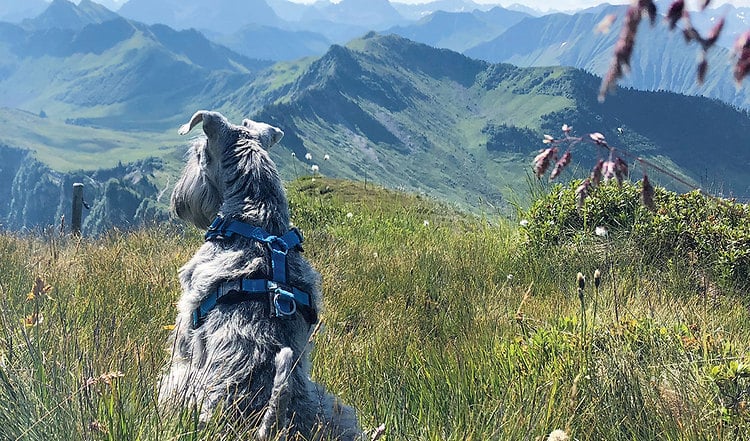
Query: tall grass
x=440, y=325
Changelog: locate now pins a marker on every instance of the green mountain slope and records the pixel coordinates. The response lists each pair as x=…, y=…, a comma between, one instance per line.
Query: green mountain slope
x=118, y=74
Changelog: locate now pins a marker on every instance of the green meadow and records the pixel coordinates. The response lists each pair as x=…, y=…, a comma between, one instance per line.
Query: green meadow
x=439, y=324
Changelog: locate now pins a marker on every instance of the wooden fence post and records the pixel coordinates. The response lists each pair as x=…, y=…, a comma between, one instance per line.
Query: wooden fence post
x=75, y=223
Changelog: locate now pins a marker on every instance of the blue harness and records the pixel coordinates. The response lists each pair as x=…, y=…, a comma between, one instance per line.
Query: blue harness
x=283, y=300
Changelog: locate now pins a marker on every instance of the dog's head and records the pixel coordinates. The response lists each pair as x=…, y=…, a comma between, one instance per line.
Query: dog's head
x=229, y=170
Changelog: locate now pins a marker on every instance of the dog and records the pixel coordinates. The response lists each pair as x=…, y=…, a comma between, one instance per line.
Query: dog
x=249, y=298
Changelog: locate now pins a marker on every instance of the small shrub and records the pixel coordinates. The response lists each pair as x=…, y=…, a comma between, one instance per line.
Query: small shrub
x=711, y=233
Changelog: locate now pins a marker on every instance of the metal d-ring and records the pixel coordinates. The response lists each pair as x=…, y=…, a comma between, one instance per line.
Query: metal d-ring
x=279, y=310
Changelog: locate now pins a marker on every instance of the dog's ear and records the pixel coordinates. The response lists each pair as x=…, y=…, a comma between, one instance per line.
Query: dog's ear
x=213, y=123
x=197, y=117
x=268, y=134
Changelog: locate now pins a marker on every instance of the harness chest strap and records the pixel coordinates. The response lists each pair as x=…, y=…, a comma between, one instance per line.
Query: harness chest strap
x=284, y=300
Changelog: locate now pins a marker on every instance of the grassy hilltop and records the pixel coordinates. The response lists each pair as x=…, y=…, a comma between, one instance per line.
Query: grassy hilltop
x=438, y=324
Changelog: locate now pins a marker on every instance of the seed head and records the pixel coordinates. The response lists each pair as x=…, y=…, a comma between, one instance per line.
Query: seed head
x=598, y=138
x=621, y=170
x=647, y=194
x=605, y=25
x=582, y=192
x=543, y=159
x=596, y=173
x=742, y=50
x=597, y=278
x=702, y=70
x=581, y=280
x=560, y=165
x=674, y=14
x=713, y=34
x=649, y=7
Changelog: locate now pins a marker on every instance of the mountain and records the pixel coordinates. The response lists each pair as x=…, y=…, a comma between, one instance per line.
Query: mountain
x=661, y=59
x=383, y=108
x=64, y=14
x=433, y=121
x=220, y=16
x=13, y=11
x=115, y=74
x=420, y=10
x=288, y=10
x=252, y=41
x=459, y=31
x=525, y=9
x=366, y=14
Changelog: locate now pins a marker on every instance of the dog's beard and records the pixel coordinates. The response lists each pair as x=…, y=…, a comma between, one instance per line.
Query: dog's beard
x=195, y=199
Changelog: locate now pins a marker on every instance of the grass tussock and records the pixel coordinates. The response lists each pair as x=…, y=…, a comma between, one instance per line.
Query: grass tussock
x=440, y=325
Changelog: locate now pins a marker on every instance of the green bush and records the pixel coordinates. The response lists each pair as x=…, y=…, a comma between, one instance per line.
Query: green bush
x=711, y=234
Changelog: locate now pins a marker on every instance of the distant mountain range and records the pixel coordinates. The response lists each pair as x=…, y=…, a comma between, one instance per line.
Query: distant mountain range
x=661, y=59
x=84, y=90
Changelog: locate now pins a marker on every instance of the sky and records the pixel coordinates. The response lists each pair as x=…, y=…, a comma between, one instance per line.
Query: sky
x=563, y=5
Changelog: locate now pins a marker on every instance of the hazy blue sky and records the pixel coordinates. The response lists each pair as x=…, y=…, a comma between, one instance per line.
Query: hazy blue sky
x=544, y=5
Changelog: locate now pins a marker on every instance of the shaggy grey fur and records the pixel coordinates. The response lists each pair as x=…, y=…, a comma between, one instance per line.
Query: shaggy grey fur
x=239, y=358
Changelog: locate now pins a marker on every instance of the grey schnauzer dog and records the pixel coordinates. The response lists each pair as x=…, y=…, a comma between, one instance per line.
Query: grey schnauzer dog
x=249, y=300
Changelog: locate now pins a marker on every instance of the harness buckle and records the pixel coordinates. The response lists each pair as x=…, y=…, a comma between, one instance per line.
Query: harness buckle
x=282, y=300
x=218, y=229
x=229, y=287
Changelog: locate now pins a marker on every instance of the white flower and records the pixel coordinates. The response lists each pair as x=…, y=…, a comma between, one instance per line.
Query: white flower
x=294, y=155
x=558, y=435
x=326, y=157
x=315, y=168
x=349, y=215
x=509, y=277
x=524, y=222
x=308, y=156
x=426, y=223
x=601, y=231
